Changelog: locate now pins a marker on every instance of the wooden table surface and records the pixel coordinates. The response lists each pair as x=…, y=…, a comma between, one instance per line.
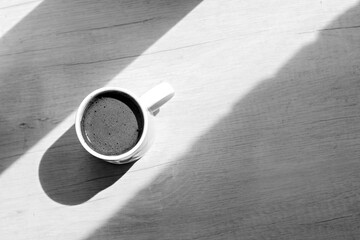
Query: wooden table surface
x=261, y=141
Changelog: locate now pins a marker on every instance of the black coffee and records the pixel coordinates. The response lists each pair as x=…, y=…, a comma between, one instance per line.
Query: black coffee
x=112, y=123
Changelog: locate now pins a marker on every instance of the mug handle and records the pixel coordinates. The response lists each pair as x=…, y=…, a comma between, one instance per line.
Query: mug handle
x=157, y=96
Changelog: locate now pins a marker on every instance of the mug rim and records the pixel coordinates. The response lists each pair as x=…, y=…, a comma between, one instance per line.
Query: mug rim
x=79, y=115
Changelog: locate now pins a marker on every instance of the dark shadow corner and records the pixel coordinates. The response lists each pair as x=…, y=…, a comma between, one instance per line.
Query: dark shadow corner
x=77, y=47
x=69, y=175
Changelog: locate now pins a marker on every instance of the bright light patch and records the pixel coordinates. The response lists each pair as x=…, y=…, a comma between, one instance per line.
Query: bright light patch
x=12, y=12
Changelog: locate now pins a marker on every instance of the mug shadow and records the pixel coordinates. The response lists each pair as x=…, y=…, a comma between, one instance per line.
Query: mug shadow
x=61, y=51
x=282, y=165
x=70, y=175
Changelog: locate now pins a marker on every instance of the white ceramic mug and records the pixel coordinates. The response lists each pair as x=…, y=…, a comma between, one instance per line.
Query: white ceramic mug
x=149, y=103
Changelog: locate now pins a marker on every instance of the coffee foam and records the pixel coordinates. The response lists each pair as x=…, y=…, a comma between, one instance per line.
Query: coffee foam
x=110, y=126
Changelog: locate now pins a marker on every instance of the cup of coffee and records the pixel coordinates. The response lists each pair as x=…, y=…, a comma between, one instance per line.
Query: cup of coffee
x=115, y=125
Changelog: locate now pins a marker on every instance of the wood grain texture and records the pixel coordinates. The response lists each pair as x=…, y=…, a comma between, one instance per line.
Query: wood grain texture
x=261, y=141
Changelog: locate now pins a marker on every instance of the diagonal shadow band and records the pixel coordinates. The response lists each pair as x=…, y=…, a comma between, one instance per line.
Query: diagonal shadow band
x=284, y=164
x=64, y=49
x=69, y=175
